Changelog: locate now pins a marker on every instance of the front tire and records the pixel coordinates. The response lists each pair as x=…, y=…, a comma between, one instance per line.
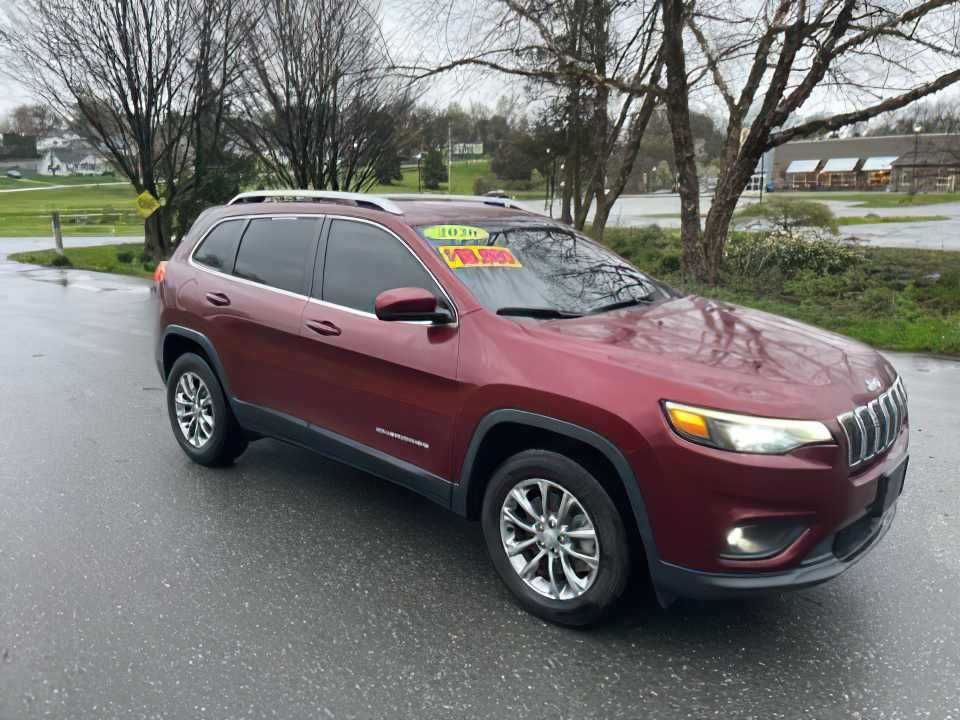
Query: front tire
x=199, y=414
x=555, y=538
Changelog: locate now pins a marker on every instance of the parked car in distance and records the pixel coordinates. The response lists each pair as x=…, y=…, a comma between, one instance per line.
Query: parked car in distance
x=597, y=422
x=496, y=194
x=14, y=174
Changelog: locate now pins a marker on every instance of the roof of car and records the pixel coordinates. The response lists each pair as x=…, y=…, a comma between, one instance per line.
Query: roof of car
x=410, y=209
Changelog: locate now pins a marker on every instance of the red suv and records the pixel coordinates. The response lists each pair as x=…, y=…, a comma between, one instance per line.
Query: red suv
x=596, y=421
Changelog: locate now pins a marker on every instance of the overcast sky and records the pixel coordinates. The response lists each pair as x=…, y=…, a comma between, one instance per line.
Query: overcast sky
x=408, y=37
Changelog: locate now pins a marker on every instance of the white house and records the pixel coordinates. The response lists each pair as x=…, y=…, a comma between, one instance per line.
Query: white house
x=75, y=158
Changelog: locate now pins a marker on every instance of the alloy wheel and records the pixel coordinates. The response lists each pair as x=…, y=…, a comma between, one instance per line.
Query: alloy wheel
x=549, y=539
x=194, y=408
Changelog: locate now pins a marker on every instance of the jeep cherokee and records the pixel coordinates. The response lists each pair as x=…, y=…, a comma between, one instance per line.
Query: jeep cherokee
x=596, y=421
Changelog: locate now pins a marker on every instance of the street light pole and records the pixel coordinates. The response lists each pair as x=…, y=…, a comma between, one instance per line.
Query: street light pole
x=547, y=199
x=419, y=181
x=762, y=179
x=917, y=129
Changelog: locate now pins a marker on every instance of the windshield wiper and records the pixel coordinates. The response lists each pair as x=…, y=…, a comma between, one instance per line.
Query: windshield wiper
x=546, y=313
x=620, y=304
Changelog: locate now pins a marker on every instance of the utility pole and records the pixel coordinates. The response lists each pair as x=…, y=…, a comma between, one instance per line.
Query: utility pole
x=763, y=178
x=449, y=159
x=57, y=232
x=917, y=129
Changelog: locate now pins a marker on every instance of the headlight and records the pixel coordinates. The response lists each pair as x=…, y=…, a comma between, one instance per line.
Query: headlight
x=744, y=433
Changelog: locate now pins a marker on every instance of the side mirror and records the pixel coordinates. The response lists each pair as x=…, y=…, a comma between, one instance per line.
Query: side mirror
x=411, y=304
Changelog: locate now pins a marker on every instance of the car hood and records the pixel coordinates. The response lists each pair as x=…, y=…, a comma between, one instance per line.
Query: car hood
x=760, y=361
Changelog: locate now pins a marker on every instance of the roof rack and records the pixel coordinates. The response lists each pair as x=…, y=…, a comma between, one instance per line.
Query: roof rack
x=359, y=199
x=377, y=202
x=501, y=202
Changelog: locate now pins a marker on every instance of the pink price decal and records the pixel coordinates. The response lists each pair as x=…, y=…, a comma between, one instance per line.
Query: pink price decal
x=461, y=256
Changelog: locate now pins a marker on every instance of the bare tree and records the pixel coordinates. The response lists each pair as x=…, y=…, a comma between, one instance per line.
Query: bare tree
x=317, y=109
x=598, y=58
x=35, y=120
x=129, y=75
x=764, y=61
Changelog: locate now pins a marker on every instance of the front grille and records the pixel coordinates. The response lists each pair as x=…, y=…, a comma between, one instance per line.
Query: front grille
x=872, y=428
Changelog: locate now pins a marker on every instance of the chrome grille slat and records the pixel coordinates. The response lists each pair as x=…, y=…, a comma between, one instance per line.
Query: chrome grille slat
x=883, y=422
x=872, y=428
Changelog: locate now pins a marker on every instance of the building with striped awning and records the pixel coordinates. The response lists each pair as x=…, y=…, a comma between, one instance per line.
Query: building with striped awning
x=868, y=163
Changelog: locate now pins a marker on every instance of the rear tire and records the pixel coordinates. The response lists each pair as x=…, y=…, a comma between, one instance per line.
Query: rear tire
x=200, y=416
x=568, y=563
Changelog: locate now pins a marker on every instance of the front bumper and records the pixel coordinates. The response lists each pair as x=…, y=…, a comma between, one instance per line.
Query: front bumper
x=673, y=580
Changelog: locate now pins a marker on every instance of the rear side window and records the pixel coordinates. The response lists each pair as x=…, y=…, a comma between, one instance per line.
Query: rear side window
x=219, y=249
x=362, y=261
x=278, y=251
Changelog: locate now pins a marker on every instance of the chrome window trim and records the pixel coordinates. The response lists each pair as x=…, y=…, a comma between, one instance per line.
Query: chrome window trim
x=406, y=246
x=244, y=281
x=314, y=216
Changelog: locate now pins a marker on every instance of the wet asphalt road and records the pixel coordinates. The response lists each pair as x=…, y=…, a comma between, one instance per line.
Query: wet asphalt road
x=134, y=584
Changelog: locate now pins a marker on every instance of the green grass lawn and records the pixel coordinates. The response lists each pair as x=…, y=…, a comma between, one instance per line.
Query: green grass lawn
x=123, y=259
x=109, y=210
x=871, y=219
x=876, y=199
x=465, y=173
x=893, y=298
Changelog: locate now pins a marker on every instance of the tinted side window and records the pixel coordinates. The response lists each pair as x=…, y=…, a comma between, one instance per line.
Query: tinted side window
x=277, y=252
x=362, y=261
x=219, y=249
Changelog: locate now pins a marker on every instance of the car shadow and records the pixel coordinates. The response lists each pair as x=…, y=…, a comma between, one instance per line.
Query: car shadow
x=439, y=566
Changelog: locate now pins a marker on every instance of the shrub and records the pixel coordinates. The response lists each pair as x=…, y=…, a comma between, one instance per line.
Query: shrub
x=668, y=264
x=125, y=256
x=788, y=216
x=61, y=261
x=149, y=265
x=751, y=254
x=434, y=172
x=512, y=161
x=482, y=185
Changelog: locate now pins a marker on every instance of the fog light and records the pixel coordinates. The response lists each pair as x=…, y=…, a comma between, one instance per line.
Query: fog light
x=760, y=539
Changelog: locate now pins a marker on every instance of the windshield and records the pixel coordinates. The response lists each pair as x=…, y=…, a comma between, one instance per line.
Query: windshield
x=540, y=270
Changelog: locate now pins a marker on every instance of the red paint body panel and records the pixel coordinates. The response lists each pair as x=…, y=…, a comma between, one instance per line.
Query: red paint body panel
x=395, y=376
x=418, y=392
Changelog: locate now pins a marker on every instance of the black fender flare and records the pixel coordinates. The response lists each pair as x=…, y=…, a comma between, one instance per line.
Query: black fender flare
x=204, y=342
x=598, y=442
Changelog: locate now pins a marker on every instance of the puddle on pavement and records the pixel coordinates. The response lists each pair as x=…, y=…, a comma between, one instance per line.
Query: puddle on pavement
x=81, y=280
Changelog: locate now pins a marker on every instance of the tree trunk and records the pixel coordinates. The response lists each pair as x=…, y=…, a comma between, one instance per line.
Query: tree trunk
x=694, y=258
x=601, y=216
x=156, y=235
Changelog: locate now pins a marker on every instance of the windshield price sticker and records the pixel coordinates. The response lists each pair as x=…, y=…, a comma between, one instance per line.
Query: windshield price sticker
x=455, y=233
x=462, y=256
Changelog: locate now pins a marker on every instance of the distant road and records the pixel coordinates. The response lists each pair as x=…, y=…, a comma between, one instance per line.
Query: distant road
x=62, y=187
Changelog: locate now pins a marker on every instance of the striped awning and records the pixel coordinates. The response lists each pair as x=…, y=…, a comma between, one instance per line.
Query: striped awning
x=840, y=165
x=879, y=163
x=803, y=166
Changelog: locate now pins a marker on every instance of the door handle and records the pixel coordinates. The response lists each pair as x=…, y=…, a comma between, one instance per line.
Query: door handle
x=218, y=299
x=323, y=327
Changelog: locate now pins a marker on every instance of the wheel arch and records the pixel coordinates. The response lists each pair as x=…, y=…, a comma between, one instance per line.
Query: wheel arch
x=503, y=433
x=178, y=340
